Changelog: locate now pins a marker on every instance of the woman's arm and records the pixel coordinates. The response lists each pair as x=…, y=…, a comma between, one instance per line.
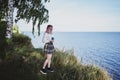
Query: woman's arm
x=45, y=38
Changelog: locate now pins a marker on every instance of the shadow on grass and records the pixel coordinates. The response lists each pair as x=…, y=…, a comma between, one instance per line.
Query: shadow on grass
x=16, y=69
x=22, y=64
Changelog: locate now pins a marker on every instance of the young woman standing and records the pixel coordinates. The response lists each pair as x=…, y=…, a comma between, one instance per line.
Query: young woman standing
x=48, y=39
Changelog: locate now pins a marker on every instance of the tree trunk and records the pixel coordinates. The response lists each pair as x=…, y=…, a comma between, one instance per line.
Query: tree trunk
x=10, y=18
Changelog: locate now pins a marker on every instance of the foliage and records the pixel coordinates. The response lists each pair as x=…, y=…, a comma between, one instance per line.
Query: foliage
x=34, y=10
x=20, y=39
x=67, y=67
x=19, y=43
x=3, y=44
x=16, y=69
x=3, y=8
x=15, y=29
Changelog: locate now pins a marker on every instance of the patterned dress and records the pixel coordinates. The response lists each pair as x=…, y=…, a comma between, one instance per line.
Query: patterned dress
x=48, y=47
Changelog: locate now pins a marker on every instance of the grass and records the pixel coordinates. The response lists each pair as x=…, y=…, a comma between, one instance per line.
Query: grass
x=23, y=62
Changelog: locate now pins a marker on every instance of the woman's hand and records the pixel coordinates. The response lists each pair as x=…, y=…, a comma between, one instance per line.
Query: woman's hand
x=51, y=41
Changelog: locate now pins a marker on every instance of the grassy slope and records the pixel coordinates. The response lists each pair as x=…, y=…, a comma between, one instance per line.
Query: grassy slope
x=23, y=62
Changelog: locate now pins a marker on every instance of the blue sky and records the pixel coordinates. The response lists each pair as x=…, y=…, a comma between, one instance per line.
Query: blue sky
x=81, y=15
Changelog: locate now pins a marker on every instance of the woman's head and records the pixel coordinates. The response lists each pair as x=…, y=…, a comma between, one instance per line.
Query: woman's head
x=49, y=29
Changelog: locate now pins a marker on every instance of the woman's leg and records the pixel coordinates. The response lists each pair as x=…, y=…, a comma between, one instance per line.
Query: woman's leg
x=43, y=70
x=47, y=61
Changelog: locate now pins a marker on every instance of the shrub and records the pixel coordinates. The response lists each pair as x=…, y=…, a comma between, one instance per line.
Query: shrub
x=3, y=26
x=21, y=40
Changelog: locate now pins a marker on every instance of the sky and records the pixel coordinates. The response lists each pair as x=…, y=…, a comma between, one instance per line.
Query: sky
x=80, y=16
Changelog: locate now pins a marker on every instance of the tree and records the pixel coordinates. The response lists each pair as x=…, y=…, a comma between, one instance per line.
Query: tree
x=9, y=17
x=32, y=10
x=26, y=9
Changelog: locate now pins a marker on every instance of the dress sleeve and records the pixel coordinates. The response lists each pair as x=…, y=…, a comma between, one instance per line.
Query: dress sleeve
x=45, y=38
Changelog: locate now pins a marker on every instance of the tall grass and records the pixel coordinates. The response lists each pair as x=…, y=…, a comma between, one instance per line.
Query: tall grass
x=69, y=68
x=24, y=63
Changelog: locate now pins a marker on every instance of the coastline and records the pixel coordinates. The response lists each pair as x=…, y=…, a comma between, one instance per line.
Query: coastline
x=65, y=63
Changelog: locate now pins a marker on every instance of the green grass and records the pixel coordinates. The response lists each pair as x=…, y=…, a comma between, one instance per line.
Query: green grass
x=23, y=62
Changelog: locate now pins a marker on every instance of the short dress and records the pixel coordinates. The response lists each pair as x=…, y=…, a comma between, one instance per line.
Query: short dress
x=49, y=46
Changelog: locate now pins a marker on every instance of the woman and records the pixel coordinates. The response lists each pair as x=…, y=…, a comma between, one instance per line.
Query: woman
x=48, y=39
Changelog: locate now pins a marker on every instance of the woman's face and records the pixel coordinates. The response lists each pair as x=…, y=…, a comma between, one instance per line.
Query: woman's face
x=50, y=29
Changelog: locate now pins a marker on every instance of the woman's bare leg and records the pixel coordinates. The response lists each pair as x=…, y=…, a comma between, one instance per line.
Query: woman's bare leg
x=47, y=61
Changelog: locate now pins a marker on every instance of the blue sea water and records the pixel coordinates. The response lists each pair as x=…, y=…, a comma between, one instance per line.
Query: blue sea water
x=100, y=48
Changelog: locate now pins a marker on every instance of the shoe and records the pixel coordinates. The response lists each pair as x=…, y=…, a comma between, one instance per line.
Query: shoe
x=43, y=71
x=50, y=69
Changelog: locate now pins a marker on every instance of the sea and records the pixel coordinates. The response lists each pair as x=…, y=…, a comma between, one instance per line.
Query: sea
x=98, y=48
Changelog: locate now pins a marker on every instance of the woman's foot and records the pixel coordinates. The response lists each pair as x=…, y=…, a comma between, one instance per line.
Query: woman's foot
x=43, y=71
x=50, y=69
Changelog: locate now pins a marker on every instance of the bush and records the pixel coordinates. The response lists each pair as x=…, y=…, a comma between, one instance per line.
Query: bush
x=19, y=43
x=3, y=26
x=21, y=40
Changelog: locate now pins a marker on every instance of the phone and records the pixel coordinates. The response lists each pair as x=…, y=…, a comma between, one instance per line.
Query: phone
x=52, y=38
